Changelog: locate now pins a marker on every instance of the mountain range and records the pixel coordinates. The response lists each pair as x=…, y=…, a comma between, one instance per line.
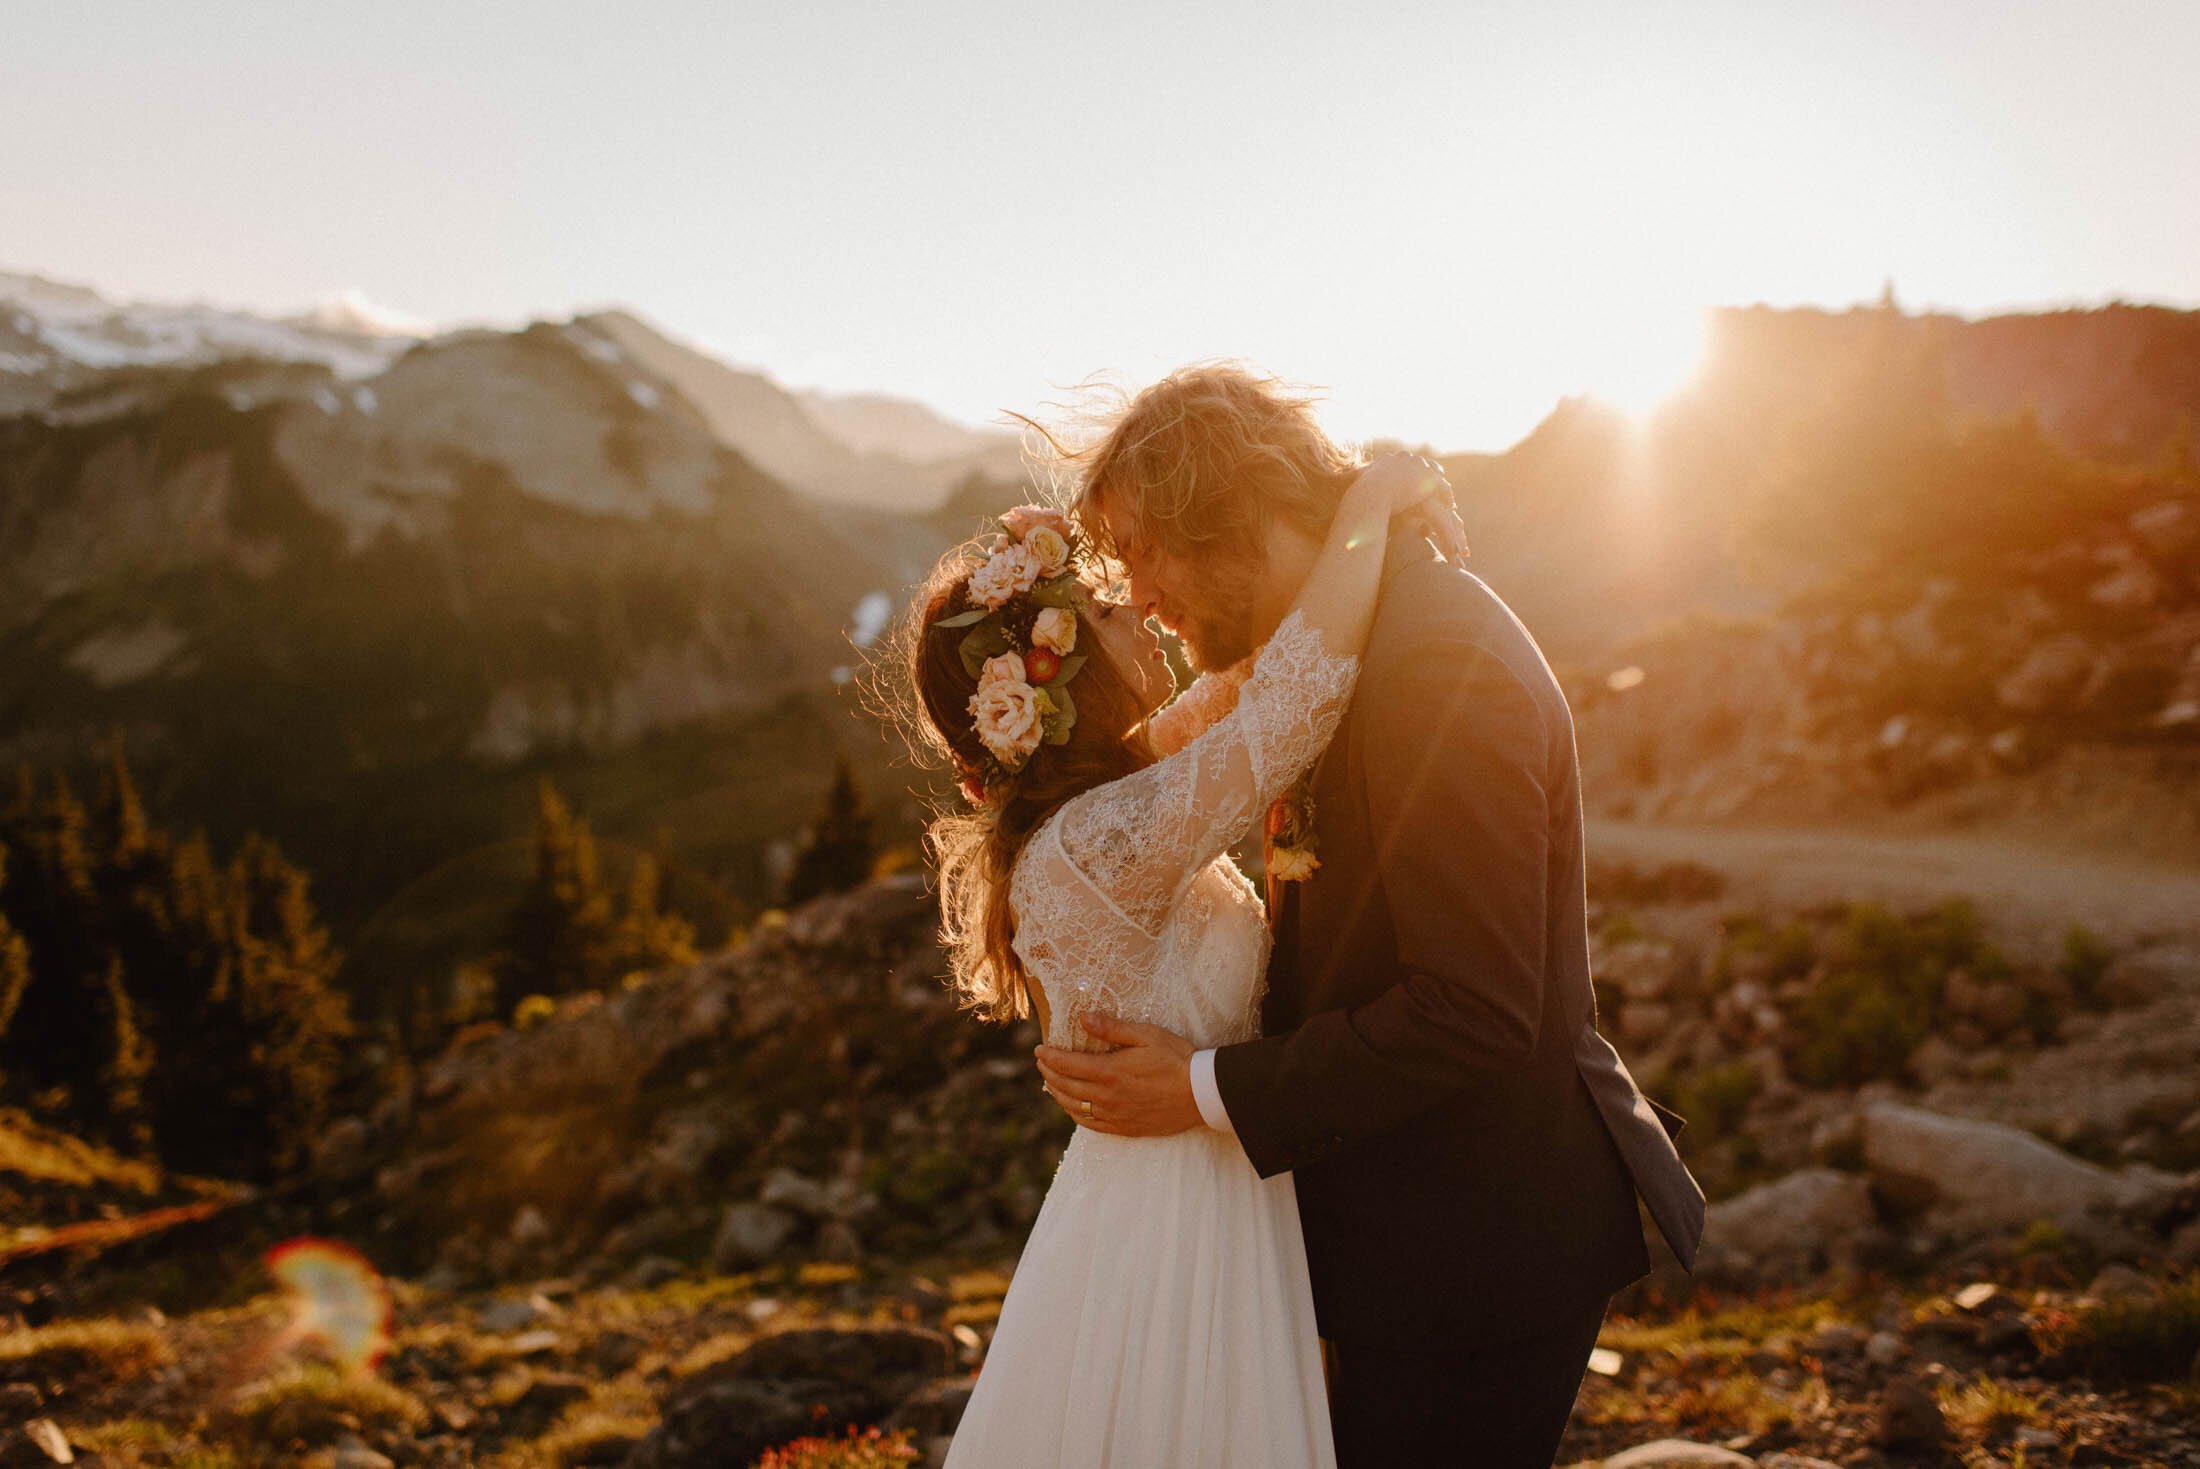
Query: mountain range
x=361, y=589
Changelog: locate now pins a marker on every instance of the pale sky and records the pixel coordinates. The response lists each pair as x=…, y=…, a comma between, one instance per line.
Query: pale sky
x=1449, y=214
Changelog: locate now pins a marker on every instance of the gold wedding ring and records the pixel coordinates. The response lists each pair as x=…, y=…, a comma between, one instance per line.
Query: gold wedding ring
x=1086, y=1105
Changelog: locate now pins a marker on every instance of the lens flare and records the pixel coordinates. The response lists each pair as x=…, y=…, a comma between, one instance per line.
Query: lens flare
x=337, y=1300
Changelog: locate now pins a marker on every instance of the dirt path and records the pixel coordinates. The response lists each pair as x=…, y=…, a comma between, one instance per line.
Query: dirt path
x=2027, y=894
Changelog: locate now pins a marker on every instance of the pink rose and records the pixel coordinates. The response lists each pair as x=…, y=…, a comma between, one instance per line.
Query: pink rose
x=1002, y=668
x=1008, y=718
x=1052, y=549
x=1005, y=574
x=1056, y=629
x=1024, y=519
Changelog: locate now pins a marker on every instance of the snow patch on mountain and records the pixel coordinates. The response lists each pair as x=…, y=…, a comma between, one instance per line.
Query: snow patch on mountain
x=64, y=330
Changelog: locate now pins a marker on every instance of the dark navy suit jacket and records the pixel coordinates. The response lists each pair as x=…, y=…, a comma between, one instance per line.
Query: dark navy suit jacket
x=1467, y=1149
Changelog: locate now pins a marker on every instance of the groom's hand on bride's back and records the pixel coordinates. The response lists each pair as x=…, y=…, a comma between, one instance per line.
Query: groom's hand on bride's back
x=1141, y=1089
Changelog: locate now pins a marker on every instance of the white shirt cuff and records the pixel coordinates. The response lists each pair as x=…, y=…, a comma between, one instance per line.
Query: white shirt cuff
x=1207, y=1094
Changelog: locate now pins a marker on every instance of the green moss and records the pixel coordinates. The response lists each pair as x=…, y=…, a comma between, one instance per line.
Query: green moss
x=1883, y=991
x=2151, y=1339
x=1748, y=943
x=2083, y=964
x=1717, y=1097
x=930, y=1178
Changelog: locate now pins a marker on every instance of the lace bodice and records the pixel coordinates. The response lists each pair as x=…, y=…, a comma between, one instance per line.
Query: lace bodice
x=1124, y=900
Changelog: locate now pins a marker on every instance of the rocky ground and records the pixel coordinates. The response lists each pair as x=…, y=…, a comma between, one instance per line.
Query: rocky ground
x=711, y=1369
x=1955, y=1164
x=2053, y=695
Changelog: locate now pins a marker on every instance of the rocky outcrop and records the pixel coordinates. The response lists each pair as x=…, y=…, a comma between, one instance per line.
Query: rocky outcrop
x=1970, y=1178
x=1799, y=1226
x=810, y=1094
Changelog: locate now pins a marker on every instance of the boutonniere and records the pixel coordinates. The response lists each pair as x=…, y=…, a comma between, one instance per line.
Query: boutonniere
x=1287, y=841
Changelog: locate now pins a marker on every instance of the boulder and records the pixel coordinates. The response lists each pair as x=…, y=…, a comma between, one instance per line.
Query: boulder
x=750, y=1235
x=1909, y=1416
x=2146, y=975
x=934, y=1410
x=1976, y=1179
x=352, y=1454
x=501, y=1316
x=1797, y=1225
x=340, y=1155
x=718, y=1418
x=1676, y=1453
x=786, y=1385
x=885, y=1357
x=2054, y=675
x=786, y=1189
x=37, y=1442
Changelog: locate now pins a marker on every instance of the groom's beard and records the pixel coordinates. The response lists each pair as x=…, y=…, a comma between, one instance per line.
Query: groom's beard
x=1218, y=641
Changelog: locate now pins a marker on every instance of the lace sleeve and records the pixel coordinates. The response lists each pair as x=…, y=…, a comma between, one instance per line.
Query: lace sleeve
x=1138, y=840
x=1194, y=711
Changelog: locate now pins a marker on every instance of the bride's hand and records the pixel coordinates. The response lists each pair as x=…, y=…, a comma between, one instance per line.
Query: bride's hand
x=1413, y=489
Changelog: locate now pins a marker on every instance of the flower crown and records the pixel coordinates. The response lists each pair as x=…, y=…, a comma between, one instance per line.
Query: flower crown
x=1021, y=643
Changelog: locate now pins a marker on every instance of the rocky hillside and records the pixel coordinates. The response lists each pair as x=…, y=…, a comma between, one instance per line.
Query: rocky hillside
x=1803, y=432
x=880, y=453
x=363, y=614
x=1873, y=566
x=656, y=1228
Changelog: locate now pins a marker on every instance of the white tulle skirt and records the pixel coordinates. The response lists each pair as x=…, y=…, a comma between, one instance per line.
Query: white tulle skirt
x=1160, y=1316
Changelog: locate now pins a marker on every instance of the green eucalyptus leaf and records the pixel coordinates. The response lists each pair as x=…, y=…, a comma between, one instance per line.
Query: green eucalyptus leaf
x=1060, y=591
x=1064, y=721
x=1070, y=665
x=989, y=639
x=964, y=619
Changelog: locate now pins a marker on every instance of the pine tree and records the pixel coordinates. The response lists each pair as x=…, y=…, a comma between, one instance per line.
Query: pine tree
x=61, y=1036
x=153, y=997
x=839, y=854
x=15, y=960
x=647, y=937
x=559, y=938
x=129, y=1061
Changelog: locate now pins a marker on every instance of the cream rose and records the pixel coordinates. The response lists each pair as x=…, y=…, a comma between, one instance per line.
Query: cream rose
x=1005, y=574
x=1056, y=629
x=1292, y=864
x=1008, y=719
x=1024, y=519
x=1051, y=547
x=1003, y=668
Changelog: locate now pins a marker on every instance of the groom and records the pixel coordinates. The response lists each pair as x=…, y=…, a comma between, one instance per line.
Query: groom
x=1467, y=1149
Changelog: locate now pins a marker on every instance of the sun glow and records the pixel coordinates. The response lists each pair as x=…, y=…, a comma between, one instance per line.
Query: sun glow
x=1640, y=363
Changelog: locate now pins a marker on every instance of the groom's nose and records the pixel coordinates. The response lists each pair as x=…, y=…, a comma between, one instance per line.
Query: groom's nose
x=1145, y=594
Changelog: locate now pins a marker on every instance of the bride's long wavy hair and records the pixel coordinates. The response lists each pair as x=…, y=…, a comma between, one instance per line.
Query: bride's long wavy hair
x=926, y=691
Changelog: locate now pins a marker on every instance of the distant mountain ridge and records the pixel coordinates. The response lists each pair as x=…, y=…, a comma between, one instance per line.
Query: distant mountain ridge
x=365, y=614
x=67, y=349
x=875, y=452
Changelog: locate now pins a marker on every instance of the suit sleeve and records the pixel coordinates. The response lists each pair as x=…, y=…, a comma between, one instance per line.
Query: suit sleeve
x=1451, y=751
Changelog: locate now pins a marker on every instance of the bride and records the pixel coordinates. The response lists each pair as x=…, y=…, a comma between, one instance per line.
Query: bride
x=1161, y=1312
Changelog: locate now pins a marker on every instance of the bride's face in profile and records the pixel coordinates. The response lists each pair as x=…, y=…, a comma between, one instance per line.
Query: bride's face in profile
x=1130, y=643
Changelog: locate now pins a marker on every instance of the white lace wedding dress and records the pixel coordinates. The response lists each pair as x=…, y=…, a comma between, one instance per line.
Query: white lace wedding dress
x=1160, y=1317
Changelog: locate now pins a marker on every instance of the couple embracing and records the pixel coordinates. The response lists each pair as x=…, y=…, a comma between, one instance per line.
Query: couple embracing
x=1355, y=1176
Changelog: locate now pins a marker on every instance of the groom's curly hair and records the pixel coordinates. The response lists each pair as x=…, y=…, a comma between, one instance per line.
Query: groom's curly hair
x=1203, y=462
